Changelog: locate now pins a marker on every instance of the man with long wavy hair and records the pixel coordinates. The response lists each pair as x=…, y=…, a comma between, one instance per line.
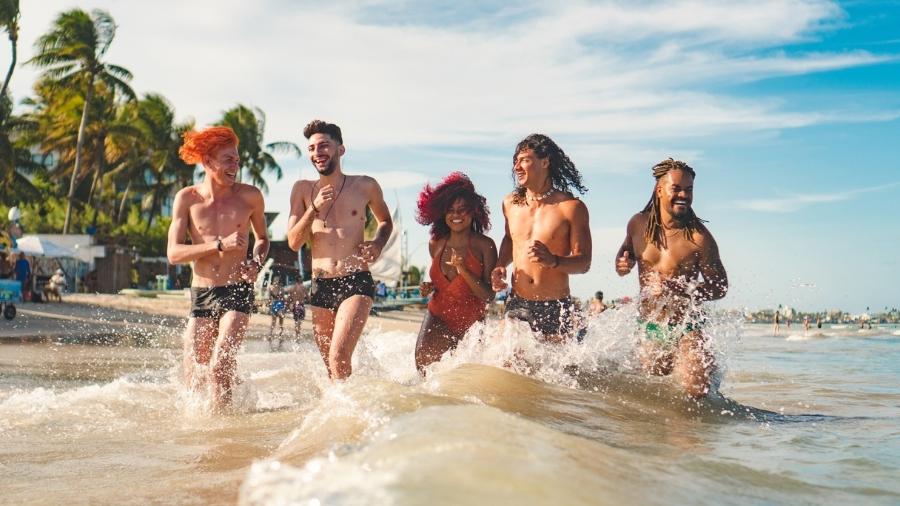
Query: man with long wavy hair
x=217, y=215
x=547, y=238
x=673, y=250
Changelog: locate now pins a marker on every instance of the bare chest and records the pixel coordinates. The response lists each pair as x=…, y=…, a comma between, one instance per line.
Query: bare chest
x=346, y=213
x=543, y=223
x=680, y=257
x=220, y=217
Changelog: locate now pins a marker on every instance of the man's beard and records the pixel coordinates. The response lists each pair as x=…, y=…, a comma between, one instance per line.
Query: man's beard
x=327, y=171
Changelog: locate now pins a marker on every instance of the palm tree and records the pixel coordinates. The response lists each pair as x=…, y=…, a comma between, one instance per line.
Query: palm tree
x=256, y=158
x=164, y=170
x=71, y=54
x=15, y=158
x=9, y=19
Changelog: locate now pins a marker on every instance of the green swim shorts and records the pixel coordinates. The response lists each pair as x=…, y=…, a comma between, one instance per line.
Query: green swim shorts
x=666, y=335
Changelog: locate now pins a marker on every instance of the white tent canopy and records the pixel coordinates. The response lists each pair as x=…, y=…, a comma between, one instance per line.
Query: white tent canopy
x=38, y=246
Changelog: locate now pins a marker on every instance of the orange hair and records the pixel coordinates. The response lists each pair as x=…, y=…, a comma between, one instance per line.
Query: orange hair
x=198, y=144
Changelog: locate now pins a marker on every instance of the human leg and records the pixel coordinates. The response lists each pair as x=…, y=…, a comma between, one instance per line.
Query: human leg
x=323, y=328
x=434, y=340
x=694, y=364
x=199, y=339
x=223, y=363
x=349, y=322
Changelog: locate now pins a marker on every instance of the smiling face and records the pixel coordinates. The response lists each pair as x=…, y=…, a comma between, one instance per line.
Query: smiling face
x=324, y=153
x=676, y=193
x=459, y=216
x=531, y=171
x=222, y=164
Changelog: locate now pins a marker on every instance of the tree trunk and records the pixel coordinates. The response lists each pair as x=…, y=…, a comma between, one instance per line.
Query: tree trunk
x=13, y=38
x=78, y=147
x=98, y=175
x=122, y=203
x=153, y=207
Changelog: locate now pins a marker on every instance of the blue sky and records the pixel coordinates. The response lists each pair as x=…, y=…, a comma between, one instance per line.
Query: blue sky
x=789, y=110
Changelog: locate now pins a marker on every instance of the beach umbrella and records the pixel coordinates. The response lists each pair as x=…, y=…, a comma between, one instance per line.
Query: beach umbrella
x=40, y=247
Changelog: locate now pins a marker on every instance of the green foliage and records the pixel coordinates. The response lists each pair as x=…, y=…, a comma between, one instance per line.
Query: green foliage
x=256, y=158
x=149, y=241
x=413, y=276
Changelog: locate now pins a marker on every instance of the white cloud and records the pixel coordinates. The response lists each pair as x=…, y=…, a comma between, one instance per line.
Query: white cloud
x=610, y=72
x=796, y=202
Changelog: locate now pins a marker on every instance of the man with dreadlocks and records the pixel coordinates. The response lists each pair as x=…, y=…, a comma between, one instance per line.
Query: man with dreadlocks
x=673, y=249
x=547, y=238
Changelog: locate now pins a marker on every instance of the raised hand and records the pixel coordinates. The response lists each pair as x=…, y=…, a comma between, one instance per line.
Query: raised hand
x=237, y=240
x=325, y=195
x=456, y=260
x=498, y=279
x=624, y=263
x=369, y=251
x=539, y=253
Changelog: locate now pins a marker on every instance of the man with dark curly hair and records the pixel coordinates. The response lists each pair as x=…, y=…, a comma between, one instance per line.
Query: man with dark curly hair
x=547, y=238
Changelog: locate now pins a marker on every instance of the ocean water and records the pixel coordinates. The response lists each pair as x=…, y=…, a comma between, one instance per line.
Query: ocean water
x=797, y=419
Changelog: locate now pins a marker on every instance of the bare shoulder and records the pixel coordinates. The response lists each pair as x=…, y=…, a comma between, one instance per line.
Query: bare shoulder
x=571, y=204
x=365, y=183
x=703, y=237
x=433, y=246
x=508, y=200
x=248, y=190
x=485, y=243
x=301, y=186
x=637, y=224
x=188, y=194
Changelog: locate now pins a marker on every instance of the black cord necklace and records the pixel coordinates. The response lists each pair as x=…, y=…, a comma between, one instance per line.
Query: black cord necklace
x=334, y=202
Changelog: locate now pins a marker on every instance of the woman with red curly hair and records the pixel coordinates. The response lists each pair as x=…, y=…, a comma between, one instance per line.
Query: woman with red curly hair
x=462, y=261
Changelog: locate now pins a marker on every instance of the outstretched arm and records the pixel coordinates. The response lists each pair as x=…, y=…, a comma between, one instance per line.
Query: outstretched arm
x=176, y=250
x=715, y=279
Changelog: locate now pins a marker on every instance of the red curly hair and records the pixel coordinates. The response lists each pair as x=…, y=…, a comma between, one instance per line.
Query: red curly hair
x=199, y=144
x=434, y=202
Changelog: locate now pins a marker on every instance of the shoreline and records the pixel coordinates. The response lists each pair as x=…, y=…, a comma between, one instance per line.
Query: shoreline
x=148, y=321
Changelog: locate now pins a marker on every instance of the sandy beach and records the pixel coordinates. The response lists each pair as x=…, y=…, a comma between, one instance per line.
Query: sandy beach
x=158, y=320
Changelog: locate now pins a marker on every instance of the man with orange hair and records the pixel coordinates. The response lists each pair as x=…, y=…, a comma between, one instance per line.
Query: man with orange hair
x=217, y=215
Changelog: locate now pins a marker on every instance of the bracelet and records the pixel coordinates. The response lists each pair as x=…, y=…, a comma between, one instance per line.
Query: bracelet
x=219, y=244
x=313, y=205
x=555, y=257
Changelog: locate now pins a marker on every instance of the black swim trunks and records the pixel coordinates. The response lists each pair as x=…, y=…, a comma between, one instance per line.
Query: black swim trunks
x=329, y=293
x=214, y=301
x=548, y=317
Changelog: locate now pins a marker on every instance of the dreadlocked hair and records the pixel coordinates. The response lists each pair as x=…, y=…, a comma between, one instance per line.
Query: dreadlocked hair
x=563, y=174
x=434, y=202
x=654, y=232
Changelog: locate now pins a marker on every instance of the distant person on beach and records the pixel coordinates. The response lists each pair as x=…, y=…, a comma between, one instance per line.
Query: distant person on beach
x=547, y=238
x=331, y=213
x=777, y=321
x=22, y=270
x=673, y=250
x=217, y=215
x=462, y=259
x=805, y=325
x=596, y=305
x=298, y=306
x=818, y=322
x=277, y=307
